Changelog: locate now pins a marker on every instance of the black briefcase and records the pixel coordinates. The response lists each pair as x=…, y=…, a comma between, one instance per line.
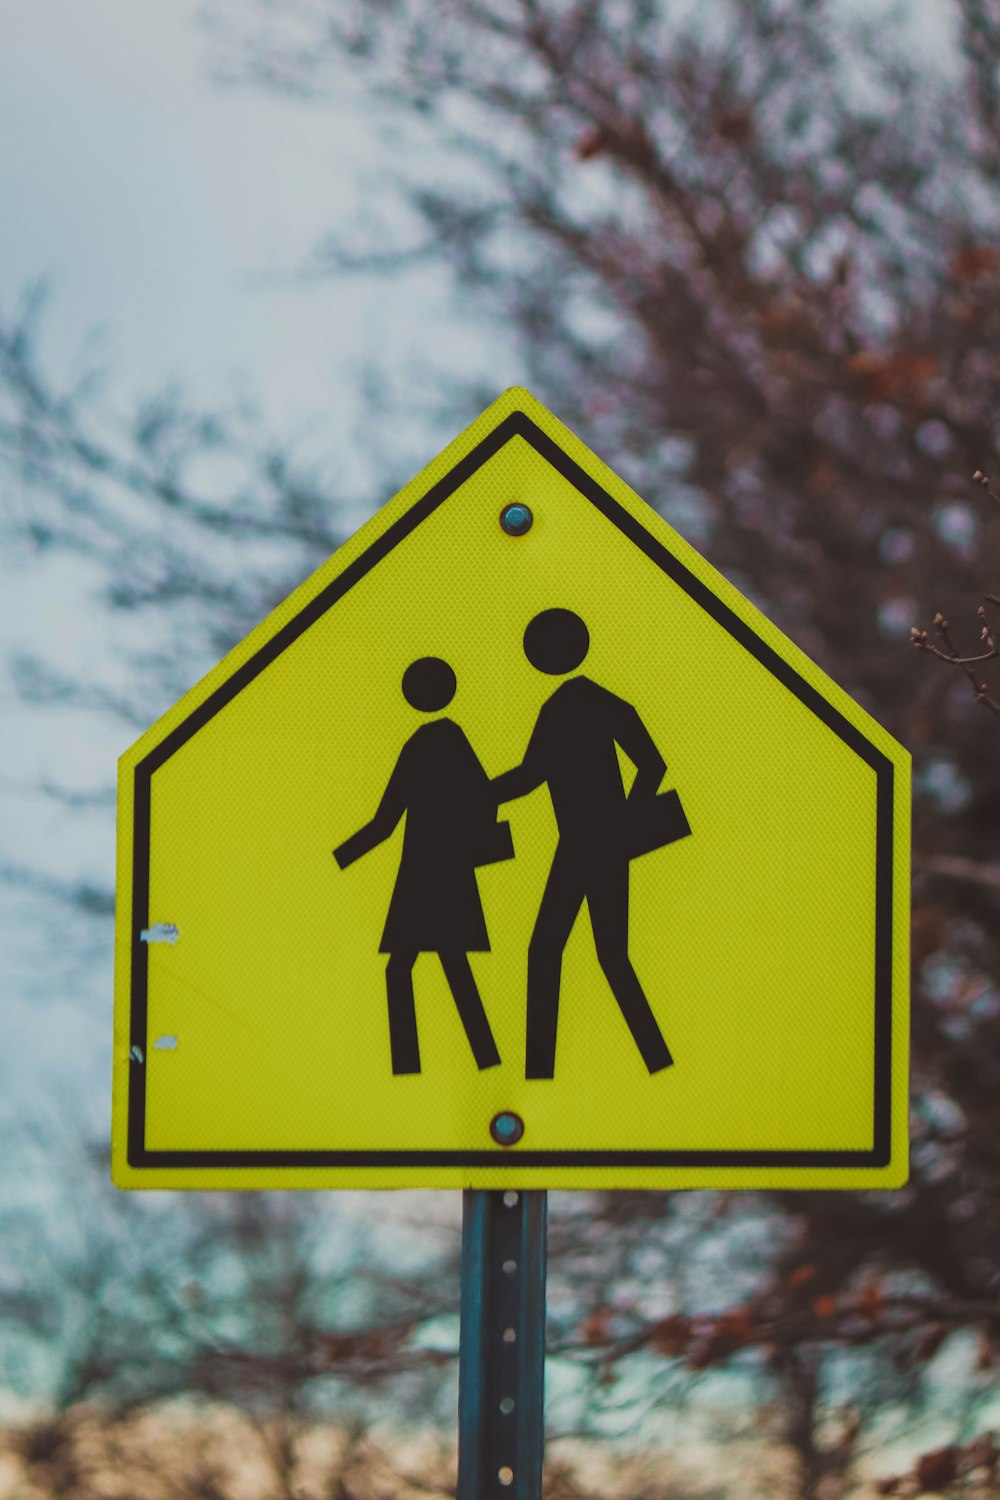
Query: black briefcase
x=655, y=822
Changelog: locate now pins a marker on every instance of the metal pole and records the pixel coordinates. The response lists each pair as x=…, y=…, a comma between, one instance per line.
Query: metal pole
x=501, y=1364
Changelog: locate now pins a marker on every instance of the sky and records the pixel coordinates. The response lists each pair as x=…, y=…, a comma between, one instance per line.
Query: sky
x=168, y=216
x=169, y=213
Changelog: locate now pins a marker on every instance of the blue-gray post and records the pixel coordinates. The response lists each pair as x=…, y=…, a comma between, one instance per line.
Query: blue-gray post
x=501, y=1366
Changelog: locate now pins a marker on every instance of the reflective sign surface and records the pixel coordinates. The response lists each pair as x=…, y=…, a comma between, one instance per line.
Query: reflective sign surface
x=514, y=848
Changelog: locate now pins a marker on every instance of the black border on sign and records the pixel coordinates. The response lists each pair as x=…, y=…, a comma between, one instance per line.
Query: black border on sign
x=518, y=424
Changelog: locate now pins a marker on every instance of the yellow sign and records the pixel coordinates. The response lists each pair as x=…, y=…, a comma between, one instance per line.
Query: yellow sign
x=515, y=848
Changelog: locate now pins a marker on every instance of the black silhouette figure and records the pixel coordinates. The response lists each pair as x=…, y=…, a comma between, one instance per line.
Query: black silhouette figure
x=450, y=828
x=572, y=748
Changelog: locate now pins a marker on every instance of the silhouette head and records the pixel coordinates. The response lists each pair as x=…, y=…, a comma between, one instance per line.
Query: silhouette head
x=428, y=684
x=556, y=641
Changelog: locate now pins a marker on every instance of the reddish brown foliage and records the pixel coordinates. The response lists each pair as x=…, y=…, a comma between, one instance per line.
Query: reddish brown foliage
x=973, y=262
x=672, y=1336
x=735, y=126
x=871, y=1300
x=596, y=1327
x=938, y=1469
x=905, y=375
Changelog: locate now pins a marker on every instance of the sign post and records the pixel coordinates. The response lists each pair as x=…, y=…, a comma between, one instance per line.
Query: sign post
x=502, y=1351
x=515, y=850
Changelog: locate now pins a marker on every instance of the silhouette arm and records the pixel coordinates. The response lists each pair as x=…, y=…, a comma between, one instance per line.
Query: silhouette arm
x=523, y=779
x=378, y=829
x=635, y=739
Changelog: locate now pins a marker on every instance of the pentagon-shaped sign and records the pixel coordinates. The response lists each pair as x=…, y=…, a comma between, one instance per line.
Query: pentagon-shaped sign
x=515, y=848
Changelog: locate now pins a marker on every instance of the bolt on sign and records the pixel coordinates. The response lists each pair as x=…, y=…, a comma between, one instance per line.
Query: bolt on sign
x=516, y=848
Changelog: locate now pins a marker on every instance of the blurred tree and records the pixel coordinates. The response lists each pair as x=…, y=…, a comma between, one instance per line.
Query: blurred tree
x=750, y=253
x=279, y=1305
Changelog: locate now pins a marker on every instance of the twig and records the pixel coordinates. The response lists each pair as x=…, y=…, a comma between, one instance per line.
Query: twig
x=951, y=654
x=982, y=479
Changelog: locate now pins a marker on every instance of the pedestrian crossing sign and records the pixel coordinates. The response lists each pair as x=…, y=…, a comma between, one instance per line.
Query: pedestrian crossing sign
x=516, y=848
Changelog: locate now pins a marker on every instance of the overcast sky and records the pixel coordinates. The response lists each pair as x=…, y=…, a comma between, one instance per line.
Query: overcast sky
x=169, y=213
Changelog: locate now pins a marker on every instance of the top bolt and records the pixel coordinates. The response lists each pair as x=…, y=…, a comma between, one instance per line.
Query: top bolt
x=516, y=519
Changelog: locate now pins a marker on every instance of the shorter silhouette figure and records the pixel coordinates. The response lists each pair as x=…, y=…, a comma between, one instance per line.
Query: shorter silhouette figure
x=572, y=748
x=451, y=827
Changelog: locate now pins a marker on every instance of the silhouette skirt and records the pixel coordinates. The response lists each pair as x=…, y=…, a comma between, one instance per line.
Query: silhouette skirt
x=434, y=915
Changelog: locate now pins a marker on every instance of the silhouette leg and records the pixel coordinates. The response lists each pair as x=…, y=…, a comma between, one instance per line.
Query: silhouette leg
x=561, y=900
x=403, y=1044
x=470, y=1009
x=607, y=900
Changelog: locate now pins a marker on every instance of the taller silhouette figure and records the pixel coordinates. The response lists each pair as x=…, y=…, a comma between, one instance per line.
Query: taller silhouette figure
x=572, y=748
x=451, y=827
